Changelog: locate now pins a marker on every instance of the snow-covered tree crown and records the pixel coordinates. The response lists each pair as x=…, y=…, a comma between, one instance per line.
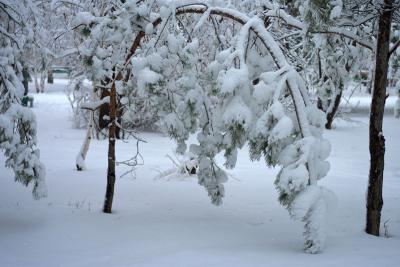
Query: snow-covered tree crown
x=244, y=91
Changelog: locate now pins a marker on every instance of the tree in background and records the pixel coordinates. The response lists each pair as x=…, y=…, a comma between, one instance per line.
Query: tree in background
x=325, y=48
x=369, y=24
x=376, y=137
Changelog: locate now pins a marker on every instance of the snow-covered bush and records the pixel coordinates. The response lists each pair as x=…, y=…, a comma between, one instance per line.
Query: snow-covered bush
x=79, y=93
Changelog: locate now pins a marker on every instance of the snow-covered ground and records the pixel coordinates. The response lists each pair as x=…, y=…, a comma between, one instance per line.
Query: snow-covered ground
x=172, y=223
x=356, y=100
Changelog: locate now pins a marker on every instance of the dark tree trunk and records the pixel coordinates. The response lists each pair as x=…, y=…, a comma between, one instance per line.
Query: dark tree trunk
x=111, y=151
x=25, y=81
x=332, y=108
x=105, y=111
x=50, y=77
x=331, y=114
x=376, y=138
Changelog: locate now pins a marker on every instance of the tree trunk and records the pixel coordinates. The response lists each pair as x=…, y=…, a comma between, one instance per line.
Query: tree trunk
x=25, y=81
x=330, y=115
x=105, y=111
x=50, y=77
x=376, y=138
x=80, y=159
x=111, y=151
x=35, y=77
x=42, y=81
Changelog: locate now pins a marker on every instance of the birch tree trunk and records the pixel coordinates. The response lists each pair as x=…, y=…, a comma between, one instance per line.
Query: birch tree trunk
x=80, y=159
x=35, y=77
x=376, y=138
x=42, y=81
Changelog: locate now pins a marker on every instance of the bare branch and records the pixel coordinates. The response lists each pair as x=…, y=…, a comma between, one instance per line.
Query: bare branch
x=394, y=47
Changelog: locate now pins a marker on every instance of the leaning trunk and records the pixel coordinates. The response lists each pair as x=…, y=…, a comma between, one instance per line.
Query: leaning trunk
x=331, y=113
x=80, y=159
x=376, y=138
x=111, y=151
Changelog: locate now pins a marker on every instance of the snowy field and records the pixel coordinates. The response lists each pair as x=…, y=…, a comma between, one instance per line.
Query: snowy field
x=172, y=223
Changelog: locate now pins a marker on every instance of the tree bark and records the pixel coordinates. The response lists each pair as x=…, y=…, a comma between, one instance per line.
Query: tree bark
x=330, y=115
x=35, y=77
x=42, y=81
x=105, y=111
x=50, y=77
x=80, y=160
x=376, y=138
x=111, y=151
x=25, y=81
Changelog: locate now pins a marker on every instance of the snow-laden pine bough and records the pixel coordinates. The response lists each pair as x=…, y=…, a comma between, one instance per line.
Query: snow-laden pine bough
x=231, y=86
x=17, y=123
x=18, y=129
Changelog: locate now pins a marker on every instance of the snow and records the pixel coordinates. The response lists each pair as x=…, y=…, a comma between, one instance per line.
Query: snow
x=282, y=129
x=237, y=113
x=233, y=79
x=93, y=105
x=147, y=76
x=263, y=92
x=360, y=102
x=149, y=28
x=202, y=20
x=84, y=18
x=294, y=179
x=336, y=12
x=172, y=223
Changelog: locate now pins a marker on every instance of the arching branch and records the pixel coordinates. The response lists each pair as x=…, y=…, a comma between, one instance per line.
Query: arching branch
x=293, y=22
x=394, y=47
x=254, y=24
